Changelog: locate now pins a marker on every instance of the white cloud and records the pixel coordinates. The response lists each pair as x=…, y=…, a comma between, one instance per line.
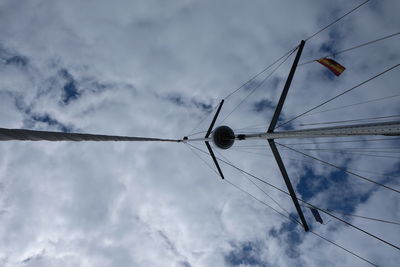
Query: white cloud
x=156, y=204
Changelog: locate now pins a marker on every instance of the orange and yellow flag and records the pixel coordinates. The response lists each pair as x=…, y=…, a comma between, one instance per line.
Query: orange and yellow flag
x=332, y=65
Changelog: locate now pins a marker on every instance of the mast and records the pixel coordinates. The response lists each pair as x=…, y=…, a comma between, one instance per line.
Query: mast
x=365, y=129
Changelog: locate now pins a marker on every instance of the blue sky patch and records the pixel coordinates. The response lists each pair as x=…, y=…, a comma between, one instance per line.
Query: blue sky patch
x=251, y=84
x=36, y=257
x=246, y=253
x=51, y=121
x=336, y=187
x=327, y=48
x=176, y=99
x=342, y=196
x=395, y=171
x=179, y=100
x=289, y=236
x=311, y=184
x=292, y=238
x=275, y=81
x=70, y=91
x=20, y=61
x=283, y=119
x=263, y=105
x=33, y=117
x=203, y=106
x=331, y=46
x=12, y=58
x=328, y=74
x=185, y=264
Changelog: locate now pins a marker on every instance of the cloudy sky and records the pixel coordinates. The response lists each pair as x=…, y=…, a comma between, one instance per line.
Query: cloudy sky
x=157, y=68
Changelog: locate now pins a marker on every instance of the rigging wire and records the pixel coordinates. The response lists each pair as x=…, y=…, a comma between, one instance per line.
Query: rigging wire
x=259, y=84
x=338, y=19
x=306, y=161
x=203, y=160
x=255, y=126
x=264, y=203
x=262, y=126
x=268, y=195
x=338, y=95
x=341, y=169
x=347, y=121
x=288, y=217
x=345, y=152
x=363, y=217
x=352, y=253
x=356, y=227
x=394, y=150
x=355, y=104
x=298, y=223
x=290, y=51
x=352, y=215
x=368, y=155
x=343, y=141
x=338, y=212
x=355, y=152
x=200, y=122
x=352, y=48
x=369, y=149
x=261, y=72
x=375, y=173
x=196, y=132
x=363, y=149
x=283, y=191
x=276, y=202
x=350, y=150
x=243, y=85
x=213, y=169
x=351, y=153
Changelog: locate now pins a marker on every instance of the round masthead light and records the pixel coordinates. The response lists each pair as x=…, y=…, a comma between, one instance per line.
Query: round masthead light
x=223, y=137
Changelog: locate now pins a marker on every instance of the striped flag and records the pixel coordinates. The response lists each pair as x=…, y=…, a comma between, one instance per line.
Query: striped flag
x=332, y=65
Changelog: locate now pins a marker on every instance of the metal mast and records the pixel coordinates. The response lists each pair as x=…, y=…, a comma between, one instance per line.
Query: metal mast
x=365, y=129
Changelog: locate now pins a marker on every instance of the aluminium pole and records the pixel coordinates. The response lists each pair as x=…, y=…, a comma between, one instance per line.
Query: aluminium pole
x=365, y=129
